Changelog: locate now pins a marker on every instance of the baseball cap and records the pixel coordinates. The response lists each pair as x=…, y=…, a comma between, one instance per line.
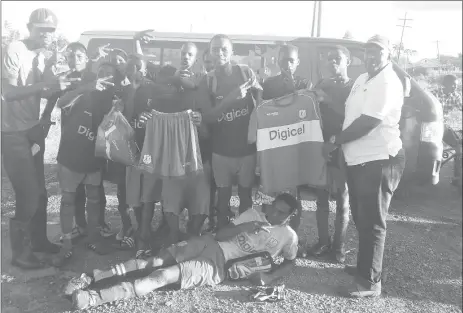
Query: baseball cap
x=43, y=18
x=379, y=41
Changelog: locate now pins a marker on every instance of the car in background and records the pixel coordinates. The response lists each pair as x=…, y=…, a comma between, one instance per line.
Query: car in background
x=422, y=116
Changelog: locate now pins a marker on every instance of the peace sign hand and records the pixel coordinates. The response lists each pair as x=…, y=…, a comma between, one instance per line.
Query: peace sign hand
x=144, y=36
x=99, y=84
x=103, y=51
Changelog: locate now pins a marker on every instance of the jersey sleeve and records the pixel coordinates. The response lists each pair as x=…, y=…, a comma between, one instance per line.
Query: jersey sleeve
x=289, y=250
x=249, y=215
x=11, y=64
x=252, y=130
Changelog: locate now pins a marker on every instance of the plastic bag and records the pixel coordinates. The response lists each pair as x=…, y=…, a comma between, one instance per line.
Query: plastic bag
x=242, y=268
x=116, y=139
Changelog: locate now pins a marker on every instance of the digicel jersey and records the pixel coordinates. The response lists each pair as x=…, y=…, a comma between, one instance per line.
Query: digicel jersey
x=289, y=139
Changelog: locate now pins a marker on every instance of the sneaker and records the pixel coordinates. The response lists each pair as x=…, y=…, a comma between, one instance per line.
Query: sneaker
x=77, y=283
x=121, y=234
x=105, y=230
x=319, y=250
x=83, y=299
x=358, y=291
x=77, y=232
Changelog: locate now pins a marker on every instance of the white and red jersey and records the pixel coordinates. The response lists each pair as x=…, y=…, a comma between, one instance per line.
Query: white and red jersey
x=288, y=134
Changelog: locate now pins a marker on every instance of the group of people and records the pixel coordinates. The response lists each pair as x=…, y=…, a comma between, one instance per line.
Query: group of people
x=362, y=148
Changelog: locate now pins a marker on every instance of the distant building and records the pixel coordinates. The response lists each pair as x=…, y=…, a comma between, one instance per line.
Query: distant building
x=433, y=64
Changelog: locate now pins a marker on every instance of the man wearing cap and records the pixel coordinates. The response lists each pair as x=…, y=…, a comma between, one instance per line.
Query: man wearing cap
x=372, y=147
x=23, y=138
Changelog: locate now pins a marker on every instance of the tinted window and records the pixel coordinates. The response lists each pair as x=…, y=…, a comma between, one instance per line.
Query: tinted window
x=125, y=44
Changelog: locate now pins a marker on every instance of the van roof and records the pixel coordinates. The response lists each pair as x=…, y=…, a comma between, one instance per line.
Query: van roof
x=203, y=37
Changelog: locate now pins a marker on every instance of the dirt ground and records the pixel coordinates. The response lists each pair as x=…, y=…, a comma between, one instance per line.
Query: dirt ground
x=422, y=262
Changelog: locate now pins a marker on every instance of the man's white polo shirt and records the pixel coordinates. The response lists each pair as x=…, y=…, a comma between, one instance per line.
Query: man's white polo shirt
x=381, y=97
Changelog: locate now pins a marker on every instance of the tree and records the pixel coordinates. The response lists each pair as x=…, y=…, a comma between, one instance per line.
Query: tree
x=10, y=34
x=397, y=49
x=408, y=53
x=348, y=35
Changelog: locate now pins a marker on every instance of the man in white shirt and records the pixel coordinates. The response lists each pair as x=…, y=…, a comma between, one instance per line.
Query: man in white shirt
x=201, y=260
x=375, y=159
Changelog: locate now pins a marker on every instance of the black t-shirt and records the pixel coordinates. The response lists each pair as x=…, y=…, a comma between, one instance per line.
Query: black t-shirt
x=279, y=86
x=79, y=124
x=333, y=109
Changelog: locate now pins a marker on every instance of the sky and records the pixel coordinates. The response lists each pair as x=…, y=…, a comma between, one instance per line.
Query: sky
x=432, y=20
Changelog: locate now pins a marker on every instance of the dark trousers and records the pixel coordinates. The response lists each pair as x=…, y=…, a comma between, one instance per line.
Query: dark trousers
x=371, y=187
x=80, y=205
x=341, y=222
x=26, y=174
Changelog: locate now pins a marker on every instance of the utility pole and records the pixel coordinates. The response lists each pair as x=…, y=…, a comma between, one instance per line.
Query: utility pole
x=313, y=18
x=405, y=19
x=438, y=53
x=319, y=28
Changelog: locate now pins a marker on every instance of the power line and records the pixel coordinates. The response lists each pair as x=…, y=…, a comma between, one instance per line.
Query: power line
x=405, y=19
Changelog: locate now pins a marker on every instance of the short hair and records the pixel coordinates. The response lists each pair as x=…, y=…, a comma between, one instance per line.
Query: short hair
x=189, y=43
x=120, y=52
x=288, y=49
x=290, y=200
x=167, y=71
x=77, y=46
x=343, y=49
x=221, y=36
x=450, y=78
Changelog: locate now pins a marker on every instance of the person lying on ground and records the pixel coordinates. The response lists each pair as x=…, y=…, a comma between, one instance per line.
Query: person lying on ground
x=201, y=260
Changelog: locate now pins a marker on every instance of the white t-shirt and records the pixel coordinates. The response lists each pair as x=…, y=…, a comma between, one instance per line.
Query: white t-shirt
x=281, y=239
x=381, y=97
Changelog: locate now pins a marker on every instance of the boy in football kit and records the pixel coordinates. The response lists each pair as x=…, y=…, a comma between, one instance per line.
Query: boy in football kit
x=233, y=159
x=191, y=192
x=201, y=260
x=143, y=189
x=83, y=110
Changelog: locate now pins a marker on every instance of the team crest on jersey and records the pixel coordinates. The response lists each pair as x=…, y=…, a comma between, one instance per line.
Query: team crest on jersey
x=302, y=113
x=148, y=103
x=147, y=159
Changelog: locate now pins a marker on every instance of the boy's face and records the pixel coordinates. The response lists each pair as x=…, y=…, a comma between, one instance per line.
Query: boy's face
x=278, y=213
x=77, y=59
x=188, y=55
x=221, y=51
x=289, y=61
x=337, y=62
x=449, y=86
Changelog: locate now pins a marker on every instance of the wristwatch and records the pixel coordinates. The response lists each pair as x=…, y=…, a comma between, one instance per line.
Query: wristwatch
x=333, y=140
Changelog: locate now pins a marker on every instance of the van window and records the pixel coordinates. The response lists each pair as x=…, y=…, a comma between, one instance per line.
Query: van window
x=154, y=54
x=124, y=44
x=171, y=57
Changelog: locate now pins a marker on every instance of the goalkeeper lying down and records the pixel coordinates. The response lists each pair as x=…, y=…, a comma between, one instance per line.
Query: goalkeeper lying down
x=201, y=260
